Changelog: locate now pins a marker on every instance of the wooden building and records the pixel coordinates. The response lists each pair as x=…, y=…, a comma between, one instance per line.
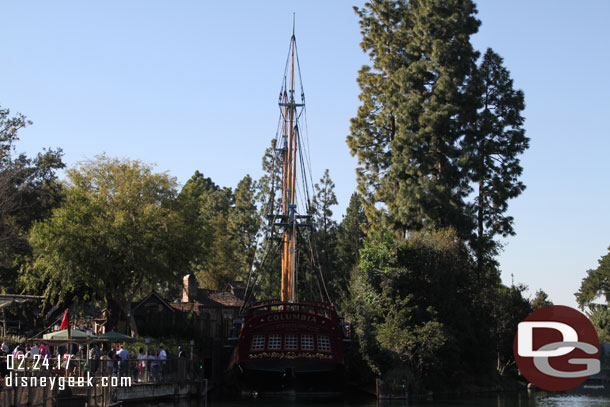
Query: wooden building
x=209, y=313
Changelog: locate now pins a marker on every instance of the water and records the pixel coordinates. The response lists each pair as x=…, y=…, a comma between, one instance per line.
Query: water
x=522, y=400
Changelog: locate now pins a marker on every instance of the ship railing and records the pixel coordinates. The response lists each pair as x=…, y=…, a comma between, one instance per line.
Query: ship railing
x=173, y=370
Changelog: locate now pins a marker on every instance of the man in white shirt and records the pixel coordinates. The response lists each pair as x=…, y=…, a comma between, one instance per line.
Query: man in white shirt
x=163, y=359
x=122, y=354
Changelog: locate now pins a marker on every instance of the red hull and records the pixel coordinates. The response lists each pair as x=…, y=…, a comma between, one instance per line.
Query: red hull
x=277, y=336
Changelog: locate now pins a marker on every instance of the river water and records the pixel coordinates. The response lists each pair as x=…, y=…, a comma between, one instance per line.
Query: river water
x=522, y=400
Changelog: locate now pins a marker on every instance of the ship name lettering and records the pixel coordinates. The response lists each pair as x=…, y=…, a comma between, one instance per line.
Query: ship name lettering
x=285, y=317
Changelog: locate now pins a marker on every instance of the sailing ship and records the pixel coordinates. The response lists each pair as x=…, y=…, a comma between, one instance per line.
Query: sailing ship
x=287, y=344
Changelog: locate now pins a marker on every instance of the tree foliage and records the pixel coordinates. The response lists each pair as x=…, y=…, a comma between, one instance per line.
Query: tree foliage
x=596, y=285
x=541, y=299
x=224, y=224
x=508, y=310
x=492, y=149
x=115, y=233
x=243, y=225
x=437, y=137
x=350, y=239
x=29, y=189
x=411, y=306
x=266, y=280
x=594, y=296
x=414, y=105
x=434, y=127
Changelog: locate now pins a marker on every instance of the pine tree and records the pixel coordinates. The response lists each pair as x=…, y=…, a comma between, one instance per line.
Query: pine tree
x=350, y=239
x=414, y=105
x=218, y=266
x=269, y=186
x=323, y=200
x=323, y=237
x=268, y=260
x=492, y=148
x=189, y=202
x=243, y=224
x=540, y=300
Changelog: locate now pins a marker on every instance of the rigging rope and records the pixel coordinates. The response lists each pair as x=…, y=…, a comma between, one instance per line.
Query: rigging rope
x=304, y=183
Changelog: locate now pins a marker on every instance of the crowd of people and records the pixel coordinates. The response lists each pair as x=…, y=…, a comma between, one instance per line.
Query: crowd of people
x=103, y=359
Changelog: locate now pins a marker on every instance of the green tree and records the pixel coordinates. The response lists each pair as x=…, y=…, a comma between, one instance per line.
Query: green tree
x=269, y=186
x=218, y=265
x=324, y=199
x=189, y=203
x=29, y=189
x=224, y=223
x=594, y=296
x=243, y=225
x=600, y=318
x=508, y=310
x=324, y=242
x=115, y=233
x=414, y=108
x=492, y=148
x=266, y=282
x=540, y=300
x=411, y=307
x=350, y=239
x=596, y=284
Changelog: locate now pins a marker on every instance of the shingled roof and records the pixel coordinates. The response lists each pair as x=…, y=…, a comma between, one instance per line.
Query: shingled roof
x=191, y=293
x=217, y=298
x=238, y=288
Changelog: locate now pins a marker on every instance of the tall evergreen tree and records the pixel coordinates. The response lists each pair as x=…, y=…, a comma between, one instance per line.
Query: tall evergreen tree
x=324, y=199
x=492, y=148
x=218, y=266
x=269, y=198
x=319, y=243
x=243, y=224
x=414, y=105
x=350, y=239
x=269, y=186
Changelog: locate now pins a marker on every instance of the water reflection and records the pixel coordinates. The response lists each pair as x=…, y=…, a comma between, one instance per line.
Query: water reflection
x=522, y=400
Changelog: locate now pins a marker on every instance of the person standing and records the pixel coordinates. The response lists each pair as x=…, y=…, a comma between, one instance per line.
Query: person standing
x=122, y=354
x=3, y=353
x=44, y=350
x=163, y=360
x=141, y=365
x=34, y=351
x=153, y=361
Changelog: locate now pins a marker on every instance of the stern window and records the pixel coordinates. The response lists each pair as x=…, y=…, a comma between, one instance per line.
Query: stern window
x=275, y=341
x=258, y=342
x=324, y=343
x=292, y=341
x=307, y=342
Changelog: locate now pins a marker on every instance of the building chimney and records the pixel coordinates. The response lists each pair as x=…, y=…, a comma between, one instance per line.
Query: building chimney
x=189, y=288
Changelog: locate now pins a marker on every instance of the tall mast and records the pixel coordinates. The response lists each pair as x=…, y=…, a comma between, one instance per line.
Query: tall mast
x=289, y=169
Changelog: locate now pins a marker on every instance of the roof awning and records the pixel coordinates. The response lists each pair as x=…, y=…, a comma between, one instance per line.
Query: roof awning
x=6, y=300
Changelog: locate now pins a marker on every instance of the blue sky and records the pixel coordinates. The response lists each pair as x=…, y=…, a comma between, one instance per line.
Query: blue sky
x=193, y=85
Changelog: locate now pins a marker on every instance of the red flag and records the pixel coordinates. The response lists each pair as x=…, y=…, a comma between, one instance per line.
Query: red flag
x=66, y=321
